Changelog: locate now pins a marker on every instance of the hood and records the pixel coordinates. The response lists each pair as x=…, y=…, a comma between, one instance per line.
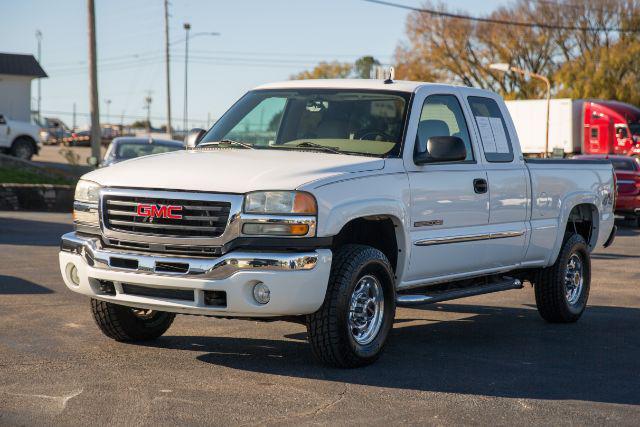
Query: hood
x=230, y=170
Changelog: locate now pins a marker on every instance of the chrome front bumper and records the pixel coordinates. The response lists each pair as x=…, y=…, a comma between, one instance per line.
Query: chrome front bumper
x=90, y=248
x=298, y=281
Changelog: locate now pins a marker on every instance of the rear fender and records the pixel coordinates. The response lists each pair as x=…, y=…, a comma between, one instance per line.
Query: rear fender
x=567, y=204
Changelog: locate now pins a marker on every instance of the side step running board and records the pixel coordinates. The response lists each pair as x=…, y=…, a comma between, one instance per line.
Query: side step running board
x=407, y=300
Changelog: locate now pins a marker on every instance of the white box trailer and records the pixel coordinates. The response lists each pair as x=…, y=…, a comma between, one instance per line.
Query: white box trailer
x=565, y=124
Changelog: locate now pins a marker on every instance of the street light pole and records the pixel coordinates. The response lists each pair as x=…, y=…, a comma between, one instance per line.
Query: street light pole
x=187, y=27
x=506, y=68
x=167, y=67
x=39, y=38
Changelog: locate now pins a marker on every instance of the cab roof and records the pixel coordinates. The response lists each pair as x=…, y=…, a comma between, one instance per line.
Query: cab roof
x=366, y=84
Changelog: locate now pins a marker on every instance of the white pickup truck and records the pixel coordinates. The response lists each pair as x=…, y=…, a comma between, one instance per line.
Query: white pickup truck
x=330, y=203
x=19, y=139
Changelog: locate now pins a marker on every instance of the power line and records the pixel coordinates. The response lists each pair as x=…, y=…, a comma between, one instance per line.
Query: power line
x=502, y=21
x=126, y=116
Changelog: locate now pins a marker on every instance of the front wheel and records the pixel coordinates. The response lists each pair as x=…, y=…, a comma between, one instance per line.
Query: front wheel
x=129, y=324
x=351, y=327
x=23, y=149
x=562, y=290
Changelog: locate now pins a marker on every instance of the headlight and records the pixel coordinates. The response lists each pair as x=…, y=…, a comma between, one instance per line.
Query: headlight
x=85, y=205
x=279, y=213
x=87, y=192
x=280, y=202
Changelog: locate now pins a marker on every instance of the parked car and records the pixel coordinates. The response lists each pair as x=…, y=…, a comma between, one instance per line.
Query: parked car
x=628, y=181
x=331, y=202
x=54, y=131
x=125, y=148
x=19, y=139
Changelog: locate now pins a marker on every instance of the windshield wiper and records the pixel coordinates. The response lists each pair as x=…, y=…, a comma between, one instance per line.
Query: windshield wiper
x=227, y=141
x=308, y=144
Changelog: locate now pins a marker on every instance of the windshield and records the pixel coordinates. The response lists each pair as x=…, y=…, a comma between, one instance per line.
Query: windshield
x=624, y=164
x=634, y=128
x=344, y=121
x=130, y=151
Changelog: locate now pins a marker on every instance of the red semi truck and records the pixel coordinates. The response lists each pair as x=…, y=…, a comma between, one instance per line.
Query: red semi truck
x=587, y=126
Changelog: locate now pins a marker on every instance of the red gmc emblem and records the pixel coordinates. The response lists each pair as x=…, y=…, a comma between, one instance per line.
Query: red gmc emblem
x=159, y=211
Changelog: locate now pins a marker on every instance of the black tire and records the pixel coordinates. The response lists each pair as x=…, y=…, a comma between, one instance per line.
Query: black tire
x=329, y=330
x=123, y=324
x=23, y=148
x=554, y=304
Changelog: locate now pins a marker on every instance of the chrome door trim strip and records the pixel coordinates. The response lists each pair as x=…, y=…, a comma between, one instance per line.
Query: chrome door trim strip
x=468, y=238
x=505, y=234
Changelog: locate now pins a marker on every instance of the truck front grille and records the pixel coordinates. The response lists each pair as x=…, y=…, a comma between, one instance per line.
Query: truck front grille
x=199, y=218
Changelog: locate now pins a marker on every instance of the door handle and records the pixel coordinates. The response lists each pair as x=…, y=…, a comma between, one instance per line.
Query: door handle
x=480, y=185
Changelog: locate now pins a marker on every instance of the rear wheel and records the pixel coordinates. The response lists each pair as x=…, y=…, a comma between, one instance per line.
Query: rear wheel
x=562, y=290
x=129, y=324
x=351, y=327
x=23, y=148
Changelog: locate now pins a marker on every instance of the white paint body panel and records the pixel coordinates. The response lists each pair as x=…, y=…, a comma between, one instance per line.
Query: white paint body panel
x=292, y=292
x=230, y=170
x=531, y=199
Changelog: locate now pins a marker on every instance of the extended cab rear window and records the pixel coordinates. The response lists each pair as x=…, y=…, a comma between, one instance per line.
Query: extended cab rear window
x=494, y=135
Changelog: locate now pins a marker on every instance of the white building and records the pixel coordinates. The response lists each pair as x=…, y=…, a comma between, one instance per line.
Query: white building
x=16, y=73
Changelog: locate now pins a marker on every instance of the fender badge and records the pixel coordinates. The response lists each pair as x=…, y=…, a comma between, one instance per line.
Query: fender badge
x=428, y=223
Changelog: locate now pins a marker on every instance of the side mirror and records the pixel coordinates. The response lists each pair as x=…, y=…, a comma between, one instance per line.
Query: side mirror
x=442, y=149
x=193, y=137
x=92, y=161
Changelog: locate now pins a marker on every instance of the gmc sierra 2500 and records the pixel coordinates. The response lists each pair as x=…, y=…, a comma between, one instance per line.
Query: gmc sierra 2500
x=331, y=202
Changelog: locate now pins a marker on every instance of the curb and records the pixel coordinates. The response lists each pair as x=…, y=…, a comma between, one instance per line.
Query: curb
x=36, y=197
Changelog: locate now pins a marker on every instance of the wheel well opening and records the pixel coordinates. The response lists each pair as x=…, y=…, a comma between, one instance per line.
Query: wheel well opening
x=25, y=138
x=581, y=221
x=377, y=232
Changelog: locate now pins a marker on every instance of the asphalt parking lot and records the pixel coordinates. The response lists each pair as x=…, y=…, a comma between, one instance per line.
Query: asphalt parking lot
x=483, y=360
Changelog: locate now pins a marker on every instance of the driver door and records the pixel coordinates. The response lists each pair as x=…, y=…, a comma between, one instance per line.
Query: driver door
x=449, y=201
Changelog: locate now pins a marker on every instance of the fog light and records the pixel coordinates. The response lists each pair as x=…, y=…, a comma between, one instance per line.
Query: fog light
x=261, y=293
x=72, y=274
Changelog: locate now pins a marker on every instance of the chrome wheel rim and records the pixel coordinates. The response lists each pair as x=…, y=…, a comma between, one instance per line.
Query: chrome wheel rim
x=142, y=313
x=574, y=279
x=366, y=310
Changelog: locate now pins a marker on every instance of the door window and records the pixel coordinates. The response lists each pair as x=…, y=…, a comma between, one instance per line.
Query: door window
x=442, y=116
x=494, y=134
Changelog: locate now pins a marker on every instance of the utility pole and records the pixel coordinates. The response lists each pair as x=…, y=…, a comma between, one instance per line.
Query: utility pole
x=96, y=133
x=74, y=117
x=39, y=38
x=187, y=27
x=167, y=61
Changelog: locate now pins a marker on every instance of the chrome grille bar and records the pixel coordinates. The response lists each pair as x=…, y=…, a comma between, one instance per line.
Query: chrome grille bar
x=195, y=218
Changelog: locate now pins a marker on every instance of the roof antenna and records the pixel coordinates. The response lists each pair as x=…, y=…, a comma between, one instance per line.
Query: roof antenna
x=389, y=75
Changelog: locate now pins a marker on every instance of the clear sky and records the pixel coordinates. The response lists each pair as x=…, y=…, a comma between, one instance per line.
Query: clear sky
x=260, y=41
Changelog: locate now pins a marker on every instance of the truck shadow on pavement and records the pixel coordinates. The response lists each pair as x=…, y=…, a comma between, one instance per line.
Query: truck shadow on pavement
x=10, y=285
x=26, y=232
x=490, y=351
